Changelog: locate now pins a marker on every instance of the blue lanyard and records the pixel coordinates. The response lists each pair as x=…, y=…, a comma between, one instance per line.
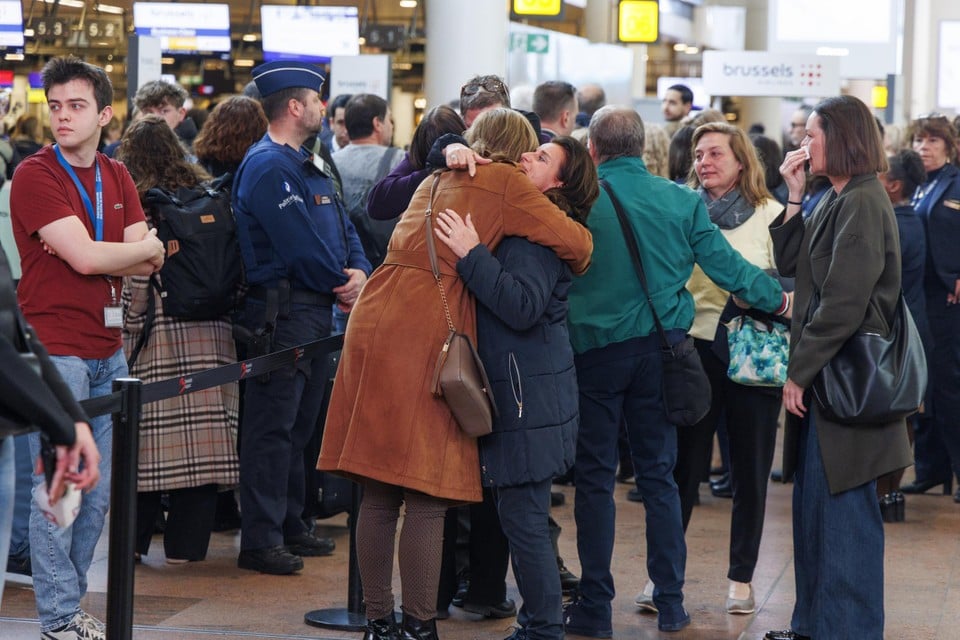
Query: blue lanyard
x=95, y=218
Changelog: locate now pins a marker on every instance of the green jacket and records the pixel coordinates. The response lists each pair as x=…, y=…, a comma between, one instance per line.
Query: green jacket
x=673, y=231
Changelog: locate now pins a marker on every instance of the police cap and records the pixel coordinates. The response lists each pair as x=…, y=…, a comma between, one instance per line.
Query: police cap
x=287, y=74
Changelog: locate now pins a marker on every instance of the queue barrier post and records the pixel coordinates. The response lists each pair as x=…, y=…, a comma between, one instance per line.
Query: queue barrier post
x=353, y=618
x=123, y=516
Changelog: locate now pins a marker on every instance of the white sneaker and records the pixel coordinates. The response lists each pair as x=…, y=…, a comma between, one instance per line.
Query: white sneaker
x=81, y=627
x=644, y=599
x=91, y=620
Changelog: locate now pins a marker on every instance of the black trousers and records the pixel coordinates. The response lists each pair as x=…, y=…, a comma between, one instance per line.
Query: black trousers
x=489, y=553
x=280, y=416
x=945, y=372
x=751, y=415
x=189, y=521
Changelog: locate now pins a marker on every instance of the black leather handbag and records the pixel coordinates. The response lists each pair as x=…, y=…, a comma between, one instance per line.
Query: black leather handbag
x=874, y=379
x=686, y=388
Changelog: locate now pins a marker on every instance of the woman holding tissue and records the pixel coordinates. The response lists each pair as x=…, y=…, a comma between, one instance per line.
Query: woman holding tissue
x=847, y=253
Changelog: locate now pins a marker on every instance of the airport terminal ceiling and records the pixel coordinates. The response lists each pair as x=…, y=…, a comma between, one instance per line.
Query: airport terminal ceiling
x=98, y=30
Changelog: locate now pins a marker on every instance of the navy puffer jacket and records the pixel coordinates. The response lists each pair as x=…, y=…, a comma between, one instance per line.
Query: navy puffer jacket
x=525, y=347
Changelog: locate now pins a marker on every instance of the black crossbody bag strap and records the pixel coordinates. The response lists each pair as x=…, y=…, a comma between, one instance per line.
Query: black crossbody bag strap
x=634, y=250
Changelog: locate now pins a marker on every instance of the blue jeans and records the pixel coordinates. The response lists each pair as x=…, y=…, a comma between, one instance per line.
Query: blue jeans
x=838, y=552
x=20, y=531
x=623, y=381
x=524, y=514
x=339, y=321
x=6, y=498
x=61, y=557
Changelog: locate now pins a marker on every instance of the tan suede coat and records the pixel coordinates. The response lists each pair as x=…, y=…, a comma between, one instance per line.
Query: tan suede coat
x=383, y=422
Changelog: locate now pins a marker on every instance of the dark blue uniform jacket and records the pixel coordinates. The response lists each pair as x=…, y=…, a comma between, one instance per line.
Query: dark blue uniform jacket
x=940, y=210
x=290, y=221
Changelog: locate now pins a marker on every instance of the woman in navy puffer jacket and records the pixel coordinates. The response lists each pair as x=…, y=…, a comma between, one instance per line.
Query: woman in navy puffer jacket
x=522, y=338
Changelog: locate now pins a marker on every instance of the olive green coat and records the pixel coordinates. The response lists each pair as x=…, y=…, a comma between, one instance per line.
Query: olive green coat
x=849, y=251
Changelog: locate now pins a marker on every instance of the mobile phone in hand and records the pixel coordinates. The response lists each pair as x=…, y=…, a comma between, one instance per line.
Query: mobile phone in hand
x=48, y=456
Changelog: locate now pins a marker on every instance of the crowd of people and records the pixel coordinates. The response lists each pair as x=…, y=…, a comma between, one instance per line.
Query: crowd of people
x=524, y=213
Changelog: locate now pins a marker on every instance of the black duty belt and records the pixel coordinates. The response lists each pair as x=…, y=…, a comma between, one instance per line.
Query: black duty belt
x=297, y=296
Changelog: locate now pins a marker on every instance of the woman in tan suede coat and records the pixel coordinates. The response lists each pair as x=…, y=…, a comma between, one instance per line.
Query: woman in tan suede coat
x=384, y=427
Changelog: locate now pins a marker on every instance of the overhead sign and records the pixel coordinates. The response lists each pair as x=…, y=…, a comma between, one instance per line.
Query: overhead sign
x=370, y=73
x=386, y=37
x=549, y=8
x=761, y=73
x=309, y=33
x=639, y=21
x=11, y=24
x=184, y=27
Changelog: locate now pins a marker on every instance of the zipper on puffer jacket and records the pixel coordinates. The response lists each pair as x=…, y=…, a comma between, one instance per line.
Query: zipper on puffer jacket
x=515, y=383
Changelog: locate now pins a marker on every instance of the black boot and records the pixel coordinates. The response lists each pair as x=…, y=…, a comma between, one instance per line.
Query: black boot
x=415, y=629
x=382, y=629
x=888, y=508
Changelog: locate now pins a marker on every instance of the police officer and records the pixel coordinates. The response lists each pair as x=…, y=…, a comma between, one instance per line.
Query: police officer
x=302, y=256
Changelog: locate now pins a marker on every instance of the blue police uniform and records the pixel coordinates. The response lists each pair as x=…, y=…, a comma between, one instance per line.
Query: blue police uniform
x=294, y=233
x=290, y=221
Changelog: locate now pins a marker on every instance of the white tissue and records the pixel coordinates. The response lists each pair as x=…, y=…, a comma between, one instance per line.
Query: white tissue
x=65, y=511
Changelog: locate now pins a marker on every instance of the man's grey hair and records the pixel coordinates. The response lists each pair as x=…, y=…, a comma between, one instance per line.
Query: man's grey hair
x=616, y=132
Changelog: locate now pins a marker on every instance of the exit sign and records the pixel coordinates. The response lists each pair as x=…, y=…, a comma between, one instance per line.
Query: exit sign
x=537, y=8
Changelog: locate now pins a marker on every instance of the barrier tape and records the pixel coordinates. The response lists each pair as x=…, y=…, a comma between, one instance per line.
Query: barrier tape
x=182, y=385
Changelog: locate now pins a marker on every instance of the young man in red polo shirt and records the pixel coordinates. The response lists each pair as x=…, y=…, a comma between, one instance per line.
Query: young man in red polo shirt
x=79, y=227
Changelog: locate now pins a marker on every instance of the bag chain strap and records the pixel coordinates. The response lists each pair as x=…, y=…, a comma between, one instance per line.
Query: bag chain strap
x=432, y=251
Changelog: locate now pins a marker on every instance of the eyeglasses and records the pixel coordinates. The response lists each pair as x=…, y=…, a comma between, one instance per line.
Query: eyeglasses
x=933, y=115
x=797, y=125
x=490, y=86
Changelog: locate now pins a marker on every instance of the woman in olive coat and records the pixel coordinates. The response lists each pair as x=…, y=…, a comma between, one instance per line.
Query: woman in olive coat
x=848, y=252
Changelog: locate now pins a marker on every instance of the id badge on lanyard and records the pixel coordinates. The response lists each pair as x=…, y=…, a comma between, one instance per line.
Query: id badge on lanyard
x=112, y=312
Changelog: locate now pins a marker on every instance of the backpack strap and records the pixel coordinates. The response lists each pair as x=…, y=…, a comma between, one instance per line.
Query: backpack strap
x=386, y=162
x=148, y=321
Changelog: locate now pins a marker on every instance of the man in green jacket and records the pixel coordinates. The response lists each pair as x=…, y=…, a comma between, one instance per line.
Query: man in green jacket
x=619, y=364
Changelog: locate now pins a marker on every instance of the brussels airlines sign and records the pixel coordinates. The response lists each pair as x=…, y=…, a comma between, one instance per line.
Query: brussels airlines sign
x=760, y=73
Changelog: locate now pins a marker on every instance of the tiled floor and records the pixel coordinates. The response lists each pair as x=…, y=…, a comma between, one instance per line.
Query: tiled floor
x=214, y=599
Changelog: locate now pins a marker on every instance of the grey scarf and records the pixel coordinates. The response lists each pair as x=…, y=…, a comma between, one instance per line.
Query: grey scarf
x=728, y=211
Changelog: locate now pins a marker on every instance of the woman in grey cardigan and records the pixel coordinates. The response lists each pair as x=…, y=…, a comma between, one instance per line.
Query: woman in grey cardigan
x=848, y=252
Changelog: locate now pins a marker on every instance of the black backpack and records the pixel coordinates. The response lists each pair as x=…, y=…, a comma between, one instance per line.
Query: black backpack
x=202, y=274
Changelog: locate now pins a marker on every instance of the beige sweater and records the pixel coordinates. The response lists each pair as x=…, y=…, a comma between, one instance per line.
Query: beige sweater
x=752, y=241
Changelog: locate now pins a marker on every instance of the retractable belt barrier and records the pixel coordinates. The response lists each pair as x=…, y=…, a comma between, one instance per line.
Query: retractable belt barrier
x=129, y=394
x=173, y=387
